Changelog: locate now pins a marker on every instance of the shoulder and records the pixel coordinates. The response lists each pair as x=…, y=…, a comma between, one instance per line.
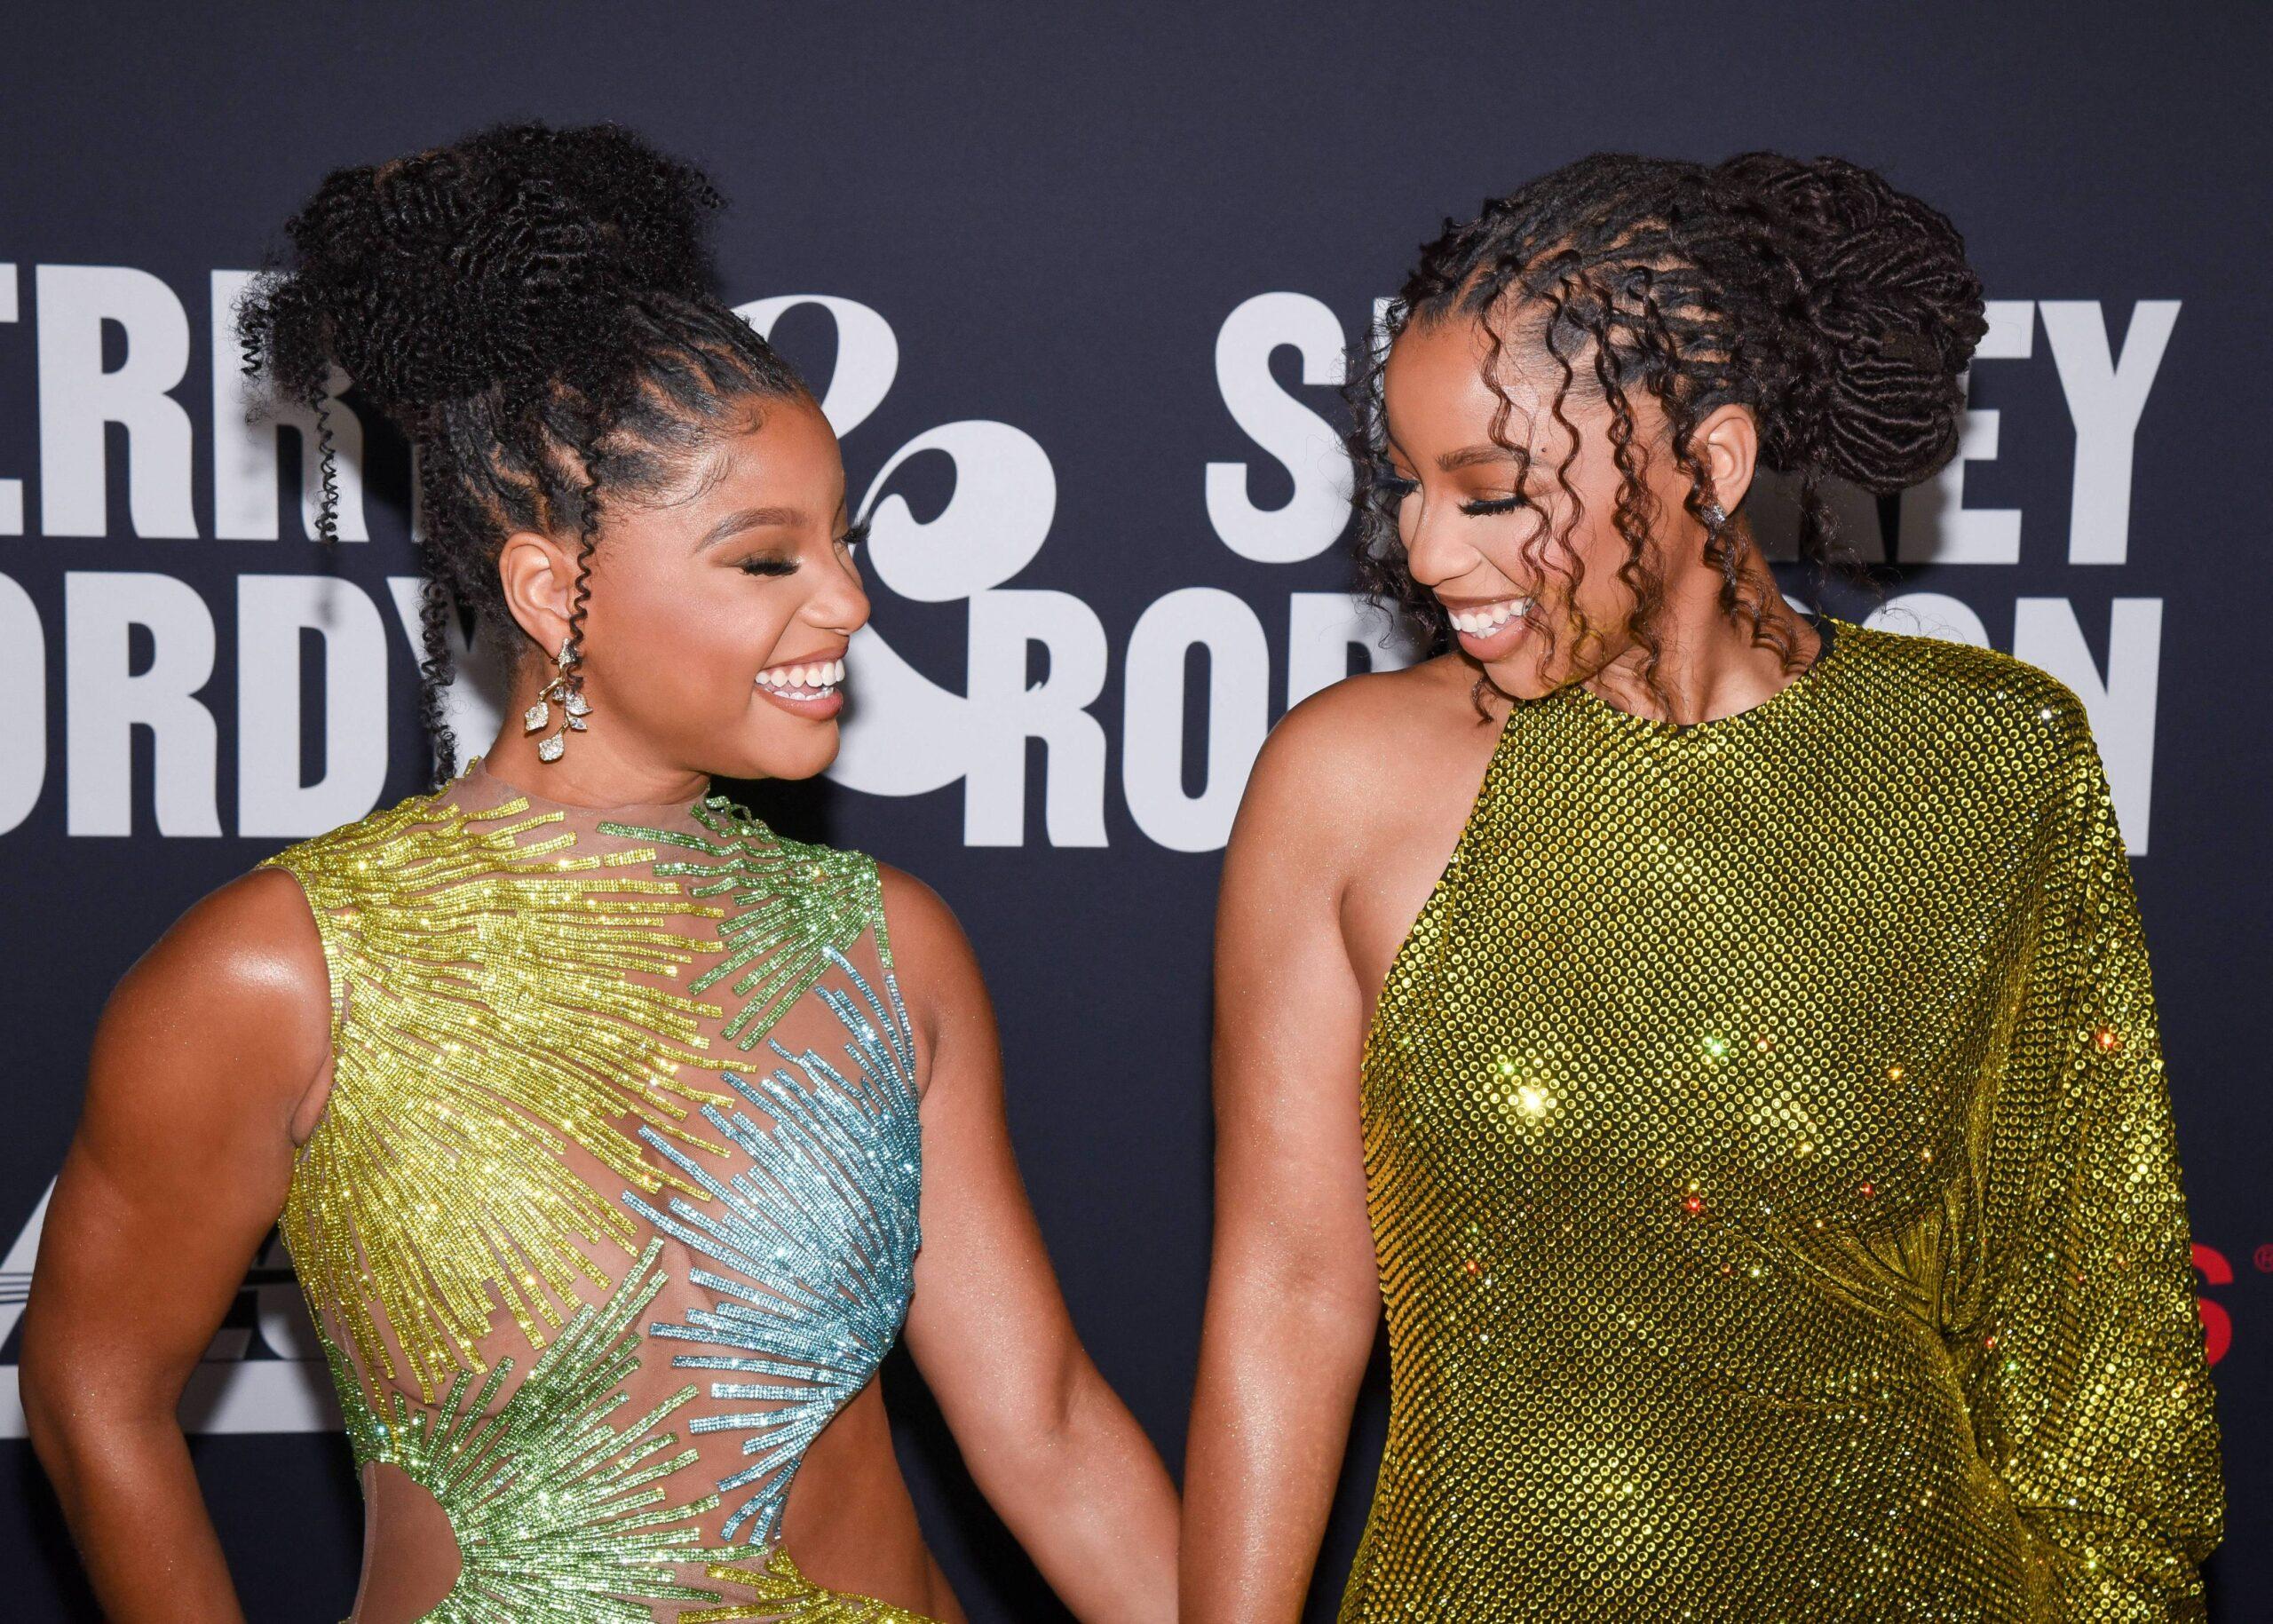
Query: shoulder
x=338, y=856
x=1989, y=709
x=1338, y=770
x=1363, y=720
x=932, y=962
x=1964, y=674
x=238, y=978
x=928, y=943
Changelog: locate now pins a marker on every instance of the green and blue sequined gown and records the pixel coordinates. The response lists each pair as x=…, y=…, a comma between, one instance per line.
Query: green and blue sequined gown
x=612, y=1202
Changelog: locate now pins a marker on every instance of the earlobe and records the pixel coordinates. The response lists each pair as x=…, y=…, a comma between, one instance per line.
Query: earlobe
x=533, y=575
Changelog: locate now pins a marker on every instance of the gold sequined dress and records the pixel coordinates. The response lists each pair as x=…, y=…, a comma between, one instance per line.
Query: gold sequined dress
x=612, y=1202
x=1771, y=1170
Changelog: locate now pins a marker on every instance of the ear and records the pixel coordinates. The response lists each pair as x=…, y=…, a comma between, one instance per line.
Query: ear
x=1726, y=442
x=538, y=576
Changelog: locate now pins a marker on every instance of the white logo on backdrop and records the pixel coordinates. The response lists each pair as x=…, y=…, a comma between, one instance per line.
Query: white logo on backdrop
x=908, y=734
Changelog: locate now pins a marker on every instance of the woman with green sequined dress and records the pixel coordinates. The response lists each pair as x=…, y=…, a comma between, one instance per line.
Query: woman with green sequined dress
x=615, y=1138
x=1721, y=1036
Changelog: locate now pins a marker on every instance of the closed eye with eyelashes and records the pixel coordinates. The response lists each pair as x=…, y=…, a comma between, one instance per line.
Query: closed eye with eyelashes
x=1477, y=507
x=775, y=566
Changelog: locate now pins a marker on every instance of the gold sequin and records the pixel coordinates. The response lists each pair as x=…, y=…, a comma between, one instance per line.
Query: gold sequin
x=1789, y=1329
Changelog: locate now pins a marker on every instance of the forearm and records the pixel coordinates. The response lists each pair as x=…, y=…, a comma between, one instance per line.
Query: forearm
x=137, y=1516
x=1088, y=1499
x=1270, y=1425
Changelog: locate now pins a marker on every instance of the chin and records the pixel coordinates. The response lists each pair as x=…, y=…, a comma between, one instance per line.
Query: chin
x=1520, y=679
x=791, y=759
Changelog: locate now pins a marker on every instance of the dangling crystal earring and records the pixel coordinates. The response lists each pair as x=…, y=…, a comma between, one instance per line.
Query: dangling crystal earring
x=574, y=707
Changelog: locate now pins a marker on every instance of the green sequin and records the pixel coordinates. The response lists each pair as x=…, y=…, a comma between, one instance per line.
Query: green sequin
x=791, y=902
x=483, y=1021
x=511, y=1016
x=560, y=1512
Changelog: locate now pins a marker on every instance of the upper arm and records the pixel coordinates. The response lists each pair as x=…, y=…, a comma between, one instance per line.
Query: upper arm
x=205, y=1051
x=1290, y=1020
x=986, y=1325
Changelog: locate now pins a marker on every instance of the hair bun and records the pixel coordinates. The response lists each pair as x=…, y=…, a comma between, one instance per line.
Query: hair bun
x=1882, y=318
x=504, y=261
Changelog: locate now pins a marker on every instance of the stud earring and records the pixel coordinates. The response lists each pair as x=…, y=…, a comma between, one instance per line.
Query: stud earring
x=1713, y=513
x=569, y=691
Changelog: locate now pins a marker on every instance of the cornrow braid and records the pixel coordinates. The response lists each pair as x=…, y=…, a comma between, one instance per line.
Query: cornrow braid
x=533, y=309
x=1840, y=310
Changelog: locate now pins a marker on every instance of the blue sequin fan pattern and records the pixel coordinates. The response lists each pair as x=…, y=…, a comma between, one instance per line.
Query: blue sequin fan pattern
x=810, y=1247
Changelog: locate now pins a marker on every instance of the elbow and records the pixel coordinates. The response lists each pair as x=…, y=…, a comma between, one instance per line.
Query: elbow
x=83, y=1427
x=1046, y=1433
x=51, y=1420
x=1314, y=1299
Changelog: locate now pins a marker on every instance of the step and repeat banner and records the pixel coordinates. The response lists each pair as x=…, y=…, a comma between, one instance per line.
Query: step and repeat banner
x=1077, y=292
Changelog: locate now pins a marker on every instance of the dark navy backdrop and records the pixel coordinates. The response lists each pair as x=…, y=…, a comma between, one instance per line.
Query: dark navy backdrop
x=1052, y=216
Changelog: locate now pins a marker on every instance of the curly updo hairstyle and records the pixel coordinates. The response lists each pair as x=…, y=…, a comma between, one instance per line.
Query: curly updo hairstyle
x=1841, y=311
x=533, y=309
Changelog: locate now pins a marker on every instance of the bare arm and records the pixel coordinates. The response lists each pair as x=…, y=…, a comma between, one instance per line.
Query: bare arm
x=1053, y=1448
x=205, y=1051
x=1294, y=1297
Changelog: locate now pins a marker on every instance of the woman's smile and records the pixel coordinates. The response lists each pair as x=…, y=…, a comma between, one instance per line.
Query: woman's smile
x=809, y=688
x=1489, y=629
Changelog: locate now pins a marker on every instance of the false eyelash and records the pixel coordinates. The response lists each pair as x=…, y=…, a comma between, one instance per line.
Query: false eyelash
x=768, y=566
x=857, y=536
x=1399, y=488
x=1496, y=504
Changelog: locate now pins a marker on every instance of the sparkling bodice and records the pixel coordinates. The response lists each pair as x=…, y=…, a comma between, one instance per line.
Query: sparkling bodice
x=613, y=1203
x=1772, y=1176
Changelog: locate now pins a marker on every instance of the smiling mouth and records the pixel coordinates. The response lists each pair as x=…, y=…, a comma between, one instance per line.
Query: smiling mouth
x=1484, y=619
x=809, y=684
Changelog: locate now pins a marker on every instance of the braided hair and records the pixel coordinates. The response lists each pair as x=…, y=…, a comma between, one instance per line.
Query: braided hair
x=533, y=309
x=1840, y=310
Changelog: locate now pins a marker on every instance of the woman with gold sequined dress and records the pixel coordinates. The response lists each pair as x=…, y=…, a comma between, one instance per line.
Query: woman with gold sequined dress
x=615, y=1137
x=1720, y=1035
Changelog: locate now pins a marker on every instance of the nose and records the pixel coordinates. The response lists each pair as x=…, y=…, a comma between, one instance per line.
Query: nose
x=840, y=604
x=1434, y=552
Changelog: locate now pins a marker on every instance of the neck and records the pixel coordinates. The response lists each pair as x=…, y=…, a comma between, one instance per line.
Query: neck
x=1708, y=666
x=593, y=772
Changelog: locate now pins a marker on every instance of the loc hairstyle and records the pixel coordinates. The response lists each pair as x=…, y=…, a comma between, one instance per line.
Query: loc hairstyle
x=1840, y=310
x=533, y=309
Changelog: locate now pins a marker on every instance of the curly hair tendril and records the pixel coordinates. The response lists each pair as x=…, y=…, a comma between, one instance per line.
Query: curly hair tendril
x=1840, y=310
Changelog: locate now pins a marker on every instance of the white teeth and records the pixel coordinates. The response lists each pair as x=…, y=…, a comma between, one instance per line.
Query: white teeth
x=815, y=680
x=1482, y=622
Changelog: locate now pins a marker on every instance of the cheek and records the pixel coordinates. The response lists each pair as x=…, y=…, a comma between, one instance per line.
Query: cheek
x=698, y=638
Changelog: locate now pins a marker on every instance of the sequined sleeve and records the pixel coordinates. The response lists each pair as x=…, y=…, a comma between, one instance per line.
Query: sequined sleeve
x=2082, y=1345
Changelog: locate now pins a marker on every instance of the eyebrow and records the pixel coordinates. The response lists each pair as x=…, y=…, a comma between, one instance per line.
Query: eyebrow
x=748, y=519
x=1472, y=456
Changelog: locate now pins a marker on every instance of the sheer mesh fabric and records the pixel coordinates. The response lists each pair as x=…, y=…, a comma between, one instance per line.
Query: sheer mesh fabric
x=611, y=1208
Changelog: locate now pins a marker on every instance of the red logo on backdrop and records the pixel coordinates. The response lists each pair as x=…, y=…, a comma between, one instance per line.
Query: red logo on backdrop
x=2217, y=1325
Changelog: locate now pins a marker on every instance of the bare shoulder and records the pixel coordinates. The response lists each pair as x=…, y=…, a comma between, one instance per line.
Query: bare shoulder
x=237, y=987
x=931, y=958
x=252, y=941
x=1336, y=773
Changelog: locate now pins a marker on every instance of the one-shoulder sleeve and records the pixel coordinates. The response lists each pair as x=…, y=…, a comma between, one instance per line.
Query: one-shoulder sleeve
x=2082, y=1349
